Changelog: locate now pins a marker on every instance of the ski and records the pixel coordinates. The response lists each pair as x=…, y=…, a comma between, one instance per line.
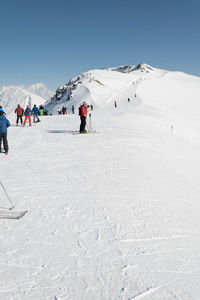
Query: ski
x=3, y=152
x=88, y=132
x=9, y=214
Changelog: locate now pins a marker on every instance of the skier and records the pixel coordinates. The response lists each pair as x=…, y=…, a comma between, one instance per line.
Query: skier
x=83, y=115
x=4, y=124
x=115, y=103
x=41, y=112
x=41, y=109
x=64, y=110
x=35, y=112
x=27, y=115
x=128, y=99
x=1, y=109
x=19, y=111
x=73, y=109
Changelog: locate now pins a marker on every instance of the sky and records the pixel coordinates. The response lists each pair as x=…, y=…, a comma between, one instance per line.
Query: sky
x=54, y=41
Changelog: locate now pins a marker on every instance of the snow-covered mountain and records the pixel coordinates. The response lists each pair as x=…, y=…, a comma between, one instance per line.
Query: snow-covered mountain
x=11, y=96
x=101, y=87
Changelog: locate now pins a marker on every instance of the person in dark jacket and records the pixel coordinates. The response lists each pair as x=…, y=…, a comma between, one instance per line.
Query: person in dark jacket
x=64, y=110
x=27, y=115
x=19, y=111
x=83, y=116
x=35, y=112
x=4, y=124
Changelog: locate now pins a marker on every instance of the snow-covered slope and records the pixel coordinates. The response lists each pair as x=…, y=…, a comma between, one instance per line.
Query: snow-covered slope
x=160, y=88
x=111, y=215
x=11, y=96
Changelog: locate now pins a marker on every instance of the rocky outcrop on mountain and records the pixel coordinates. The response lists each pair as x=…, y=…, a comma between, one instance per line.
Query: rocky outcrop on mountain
x=128, y=69
x=66, y=92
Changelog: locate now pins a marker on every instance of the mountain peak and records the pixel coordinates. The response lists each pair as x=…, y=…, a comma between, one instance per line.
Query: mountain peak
x=143, y=67
x=128, y=69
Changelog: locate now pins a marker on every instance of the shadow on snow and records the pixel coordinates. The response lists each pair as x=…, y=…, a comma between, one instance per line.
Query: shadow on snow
x=62, y=131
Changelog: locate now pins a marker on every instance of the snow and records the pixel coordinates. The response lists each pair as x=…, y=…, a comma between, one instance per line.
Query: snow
x=111, y=215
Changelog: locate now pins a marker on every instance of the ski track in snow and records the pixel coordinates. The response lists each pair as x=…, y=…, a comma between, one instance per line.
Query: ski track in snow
x=109, y=214
x=144, y=294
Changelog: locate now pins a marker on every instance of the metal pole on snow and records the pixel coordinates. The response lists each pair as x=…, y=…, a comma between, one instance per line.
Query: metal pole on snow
x=12, y=206
x=172, y=130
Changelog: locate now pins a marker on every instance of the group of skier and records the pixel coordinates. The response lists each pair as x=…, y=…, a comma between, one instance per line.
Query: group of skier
x=27, y=112
x=4, y=122
x=64, y=110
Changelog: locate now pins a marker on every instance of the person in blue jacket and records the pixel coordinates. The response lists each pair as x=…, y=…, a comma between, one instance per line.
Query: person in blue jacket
x=35, y=112
x=4, y=124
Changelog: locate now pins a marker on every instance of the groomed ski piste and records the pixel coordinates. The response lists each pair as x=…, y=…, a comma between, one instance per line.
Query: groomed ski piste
x=112, y=215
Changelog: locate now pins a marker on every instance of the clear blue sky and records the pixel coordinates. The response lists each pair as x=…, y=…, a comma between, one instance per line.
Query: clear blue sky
x=53, y=41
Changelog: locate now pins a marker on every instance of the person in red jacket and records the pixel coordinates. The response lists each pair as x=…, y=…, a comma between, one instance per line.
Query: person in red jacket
x=19, y=111
x=83, y=116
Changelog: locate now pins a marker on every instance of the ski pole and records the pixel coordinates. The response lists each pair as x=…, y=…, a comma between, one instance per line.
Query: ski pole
x=172, y=130
x=90, y=122
x=7, y=196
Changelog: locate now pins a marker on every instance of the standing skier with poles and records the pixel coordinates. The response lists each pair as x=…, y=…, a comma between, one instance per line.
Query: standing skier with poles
x=83, y=116
x=4, y=124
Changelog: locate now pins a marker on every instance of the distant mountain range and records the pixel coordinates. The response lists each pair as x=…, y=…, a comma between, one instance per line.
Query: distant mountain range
x=40, y=90
x=11, y=96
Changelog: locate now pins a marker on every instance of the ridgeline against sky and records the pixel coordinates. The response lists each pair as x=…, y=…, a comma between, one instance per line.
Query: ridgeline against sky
x=51, y=42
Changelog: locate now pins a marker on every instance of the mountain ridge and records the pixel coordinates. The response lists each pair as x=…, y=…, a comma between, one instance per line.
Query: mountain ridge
x=91, y=85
